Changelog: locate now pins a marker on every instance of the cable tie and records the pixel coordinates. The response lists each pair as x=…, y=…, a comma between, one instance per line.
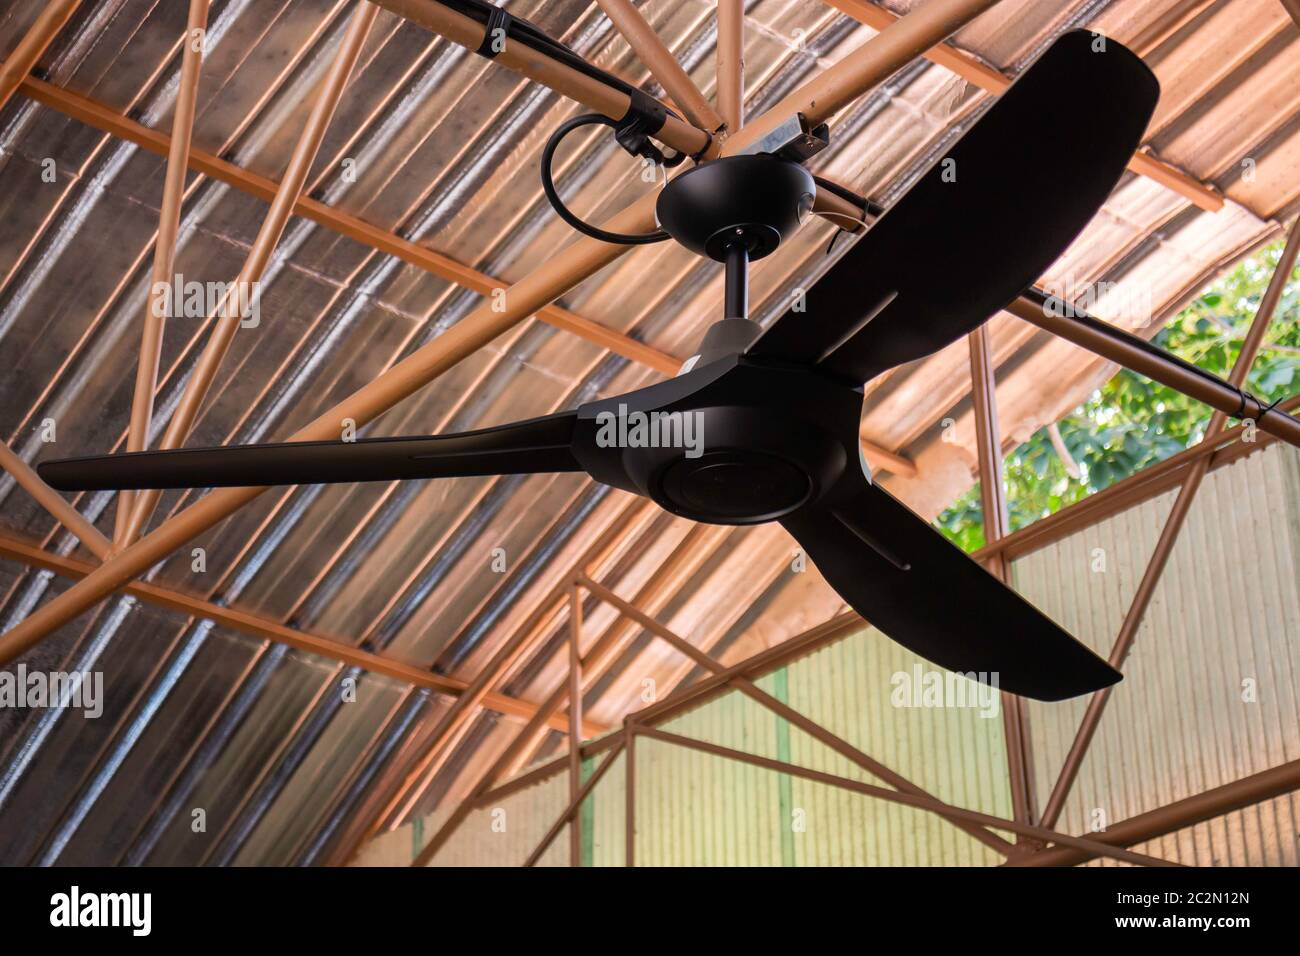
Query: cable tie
x=498, y=19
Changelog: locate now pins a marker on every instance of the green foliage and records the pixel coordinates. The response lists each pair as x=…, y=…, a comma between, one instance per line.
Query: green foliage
x=1132, y=422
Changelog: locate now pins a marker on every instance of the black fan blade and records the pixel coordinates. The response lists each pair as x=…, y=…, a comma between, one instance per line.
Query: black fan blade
x=906, y=579
x=536, y=445
x=973, y=233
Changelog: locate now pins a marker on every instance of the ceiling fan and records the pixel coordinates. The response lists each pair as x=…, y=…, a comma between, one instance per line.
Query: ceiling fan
x=776, y=411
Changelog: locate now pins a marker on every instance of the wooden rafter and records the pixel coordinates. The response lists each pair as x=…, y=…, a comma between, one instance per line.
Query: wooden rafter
x=663, y=66
x=49, y=499
x=731, y=62
x=1293, y=8
x=996, y=521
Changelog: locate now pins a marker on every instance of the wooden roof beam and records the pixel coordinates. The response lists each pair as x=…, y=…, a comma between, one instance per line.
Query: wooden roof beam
x=59, y=507
x=1293, y=8
x=661, y=63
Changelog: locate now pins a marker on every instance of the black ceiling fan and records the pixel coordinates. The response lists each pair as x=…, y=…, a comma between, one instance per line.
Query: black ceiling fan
x=775, y=413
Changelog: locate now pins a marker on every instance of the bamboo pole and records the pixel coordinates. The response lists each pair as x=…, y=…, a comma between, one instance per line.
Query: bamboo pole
x=901, y=42
x=1169, y=533
x=571, y=814
x=229, y=311
x=575, y=725
x=573, y=83
x=663, y=66
x=629, y=798
x=164, y=251
x=1127, y=350
x=33, y=44
x=1293, y=8
x=1187, y=812
x=731, y=63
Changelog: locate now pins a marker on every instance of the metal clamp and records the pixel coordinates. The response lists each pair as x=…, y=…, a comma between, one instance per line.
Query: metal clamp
x=645, y=116
x=794, y=140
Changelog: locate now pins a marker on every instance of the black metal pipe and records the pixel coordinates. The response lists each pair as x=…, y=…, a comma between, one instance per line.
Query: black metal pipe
x=737, y=295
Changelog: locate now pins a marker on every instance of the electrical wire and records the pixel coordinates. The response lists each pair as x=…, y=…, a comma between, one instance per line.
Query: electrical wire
x=533, y=36
x=563, y=211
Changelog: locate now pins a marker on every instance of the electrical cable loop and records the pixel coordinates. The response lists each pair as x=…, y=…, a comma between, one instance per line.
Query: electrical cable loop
x=632, y=133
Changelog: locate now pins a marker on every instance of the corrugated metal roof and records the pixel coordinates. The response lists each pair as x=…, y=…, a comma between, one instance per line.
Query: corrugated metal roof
x=445, y=148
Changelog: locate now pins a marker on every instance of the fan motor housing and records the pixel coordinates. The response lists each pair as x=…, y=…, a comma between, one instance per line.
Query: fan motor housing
x=759, y=445
x=733, y=486
x=755, y=200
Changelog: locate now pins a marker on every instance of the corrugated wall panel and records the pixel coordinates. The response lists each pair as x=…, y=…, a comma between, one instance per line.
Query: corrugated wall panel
x=505, y=833
x=694, y=808
x=956, y=753
x=1210, y=690
x=697, y=809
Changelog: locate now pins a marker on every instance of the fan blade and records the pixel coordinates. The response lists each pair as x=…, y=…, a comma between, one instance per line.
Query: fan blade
x=537, y=445
x=983, y=222
x=906, y=579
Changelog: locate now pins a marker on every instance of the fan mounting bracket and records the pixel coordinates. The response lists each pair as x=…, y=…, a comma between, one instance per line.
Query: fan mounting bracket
x=751, y=201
